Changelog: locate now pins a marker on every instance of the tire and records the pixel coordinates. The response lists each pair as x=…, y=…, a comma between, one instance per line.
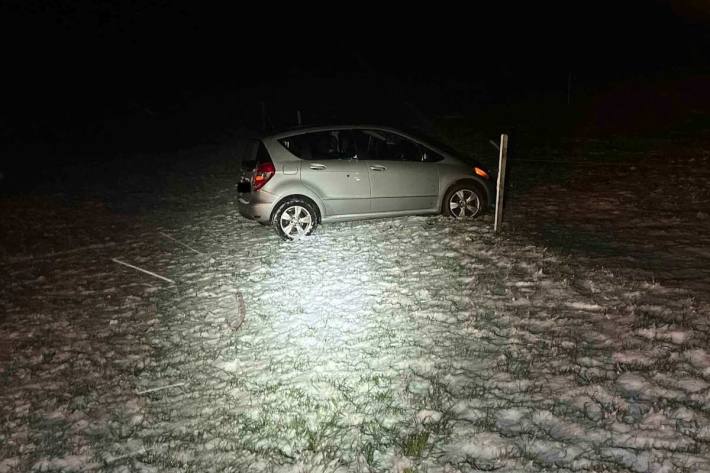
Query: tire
x=295, y=208
x=469, y=194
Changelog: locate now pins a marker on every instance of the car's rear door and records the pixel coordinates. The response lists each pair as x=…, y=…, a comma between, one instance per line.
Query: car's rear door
x=332, y=171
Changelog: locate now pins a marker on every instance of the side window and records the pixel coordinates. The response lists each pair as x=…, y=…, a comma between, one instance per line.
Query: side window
x=321, y=145
x=366, y=144
x=405, y=150
x=383, y=146
x=430, y=156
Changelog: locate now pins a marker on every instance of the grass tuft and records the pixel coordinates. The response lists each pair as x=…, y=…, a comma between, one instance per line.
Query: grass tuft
x=414, y=444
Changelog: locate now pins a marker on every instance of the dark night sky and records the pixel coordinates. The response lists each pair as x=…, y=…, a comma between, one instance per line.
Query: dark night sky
x=143, y=41
x=92, y=57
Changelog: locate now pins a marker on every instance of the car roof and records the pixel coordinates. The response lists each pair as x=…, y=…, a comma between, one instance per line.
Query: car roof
x=313, y=129
x=413, y=135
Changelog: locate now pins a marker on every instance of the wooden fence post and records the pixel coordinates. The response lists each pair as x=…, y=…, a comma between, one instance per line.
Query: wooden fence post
x=502, y=160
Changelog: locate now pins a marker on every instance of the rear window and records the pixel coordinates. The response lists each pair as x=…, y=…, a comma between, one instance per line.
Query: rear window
x=252, y=153
x=262, y=155
x=321, y=145
x=246, y=151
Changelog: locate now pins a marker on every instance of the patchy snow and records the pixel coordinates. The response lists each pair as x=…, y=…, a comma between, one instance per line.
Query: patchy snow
x=411, y=344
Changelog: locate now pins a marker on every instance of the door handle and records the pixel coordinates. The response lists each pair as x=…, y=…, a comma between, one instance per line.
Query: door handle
x=318, y=167
x=378, y=168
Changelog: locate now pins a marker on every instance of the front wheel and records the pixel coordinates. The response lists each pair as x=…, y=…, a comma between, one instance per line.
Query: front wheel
x=463, y=201
x=295, y=218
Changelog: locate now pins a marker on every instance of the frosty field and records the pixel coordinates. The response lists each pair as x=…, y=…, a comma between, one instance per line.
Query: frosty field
x=577, y=340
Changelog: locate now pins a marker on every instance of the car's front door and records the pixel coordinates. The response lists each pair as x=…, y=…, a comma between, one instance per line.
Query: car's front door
x=399, y=179
x=331, y=170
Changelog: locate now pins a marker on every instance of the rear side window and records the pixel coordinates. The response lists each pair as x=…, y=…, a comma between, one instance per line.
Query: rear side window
x=321, y=145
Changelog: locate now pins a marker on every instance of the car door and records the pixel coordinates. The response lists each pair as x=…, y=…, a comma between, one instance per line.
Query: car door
x=332, y=171
x=399, y=179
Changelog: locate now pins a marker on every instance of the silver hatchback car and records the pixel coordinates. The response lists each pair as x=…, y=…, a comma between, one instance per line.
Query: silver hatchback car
x=296, y=179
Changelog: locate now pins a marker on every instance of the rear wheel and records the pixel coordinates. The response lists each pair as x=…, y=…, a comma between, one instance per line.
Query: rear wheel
x=295, y=218
x=464, y=201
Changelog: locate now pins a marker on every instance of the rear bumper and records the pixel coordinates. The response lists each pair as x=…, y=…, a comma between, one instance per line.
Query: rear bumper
x=257, y=206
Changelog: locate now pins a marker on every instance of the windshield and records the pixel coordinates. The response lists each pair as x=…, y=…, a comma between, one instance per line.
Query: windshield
x=436, y=143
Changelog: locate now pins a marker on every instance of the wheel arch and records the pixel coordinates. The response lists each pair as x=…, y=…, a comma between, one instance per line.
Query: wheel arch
x=468, y=181
x=311, y=200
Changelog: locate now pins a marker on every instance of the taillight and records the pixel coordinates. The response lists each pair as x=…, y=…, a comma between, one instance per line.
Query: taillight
x=262, y=174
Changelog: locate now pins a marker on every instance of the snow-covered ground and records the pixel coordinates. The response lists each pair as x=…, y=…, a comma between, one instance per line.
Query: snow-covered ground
x=641, y=208
x=412, y=344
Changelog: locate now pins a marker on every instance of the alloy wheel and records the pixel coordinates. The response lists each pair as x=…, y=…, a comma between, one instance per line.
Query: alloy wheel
x=464, y=203
x=296, y=222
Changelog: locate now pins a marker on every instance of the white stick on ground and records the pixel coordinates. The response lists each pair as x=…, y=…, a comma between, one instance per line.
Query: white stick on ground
x=152, y=390
x=242, y=311
x=182, y=244
x=116, y=260
x=500, y=187
x=60, y=253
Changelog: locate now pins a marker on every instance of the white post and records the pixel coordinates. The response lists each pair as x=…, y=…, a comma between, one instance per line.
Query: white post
x=500, y=186
x=298, y=117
